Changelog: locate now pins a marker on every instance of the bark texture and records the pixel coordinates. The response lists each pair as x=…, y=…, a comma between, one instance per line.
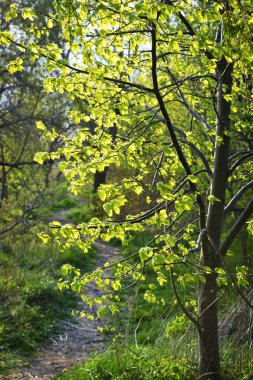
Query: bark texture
x=209, y=364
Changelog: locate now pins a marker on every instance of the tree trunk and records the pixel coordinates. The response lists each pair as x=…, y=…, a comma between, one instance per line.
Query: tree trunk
x=209, y=358
x=99, y=179
x=243, y=236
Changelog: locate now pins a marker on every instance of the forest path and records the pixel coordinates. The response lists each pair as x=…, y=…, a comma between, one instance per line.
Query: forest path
x=80, y=338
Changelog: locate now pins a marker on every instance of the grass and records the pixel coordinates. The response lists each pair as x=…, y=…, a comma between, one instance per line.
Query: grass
x=80, y=214
x=237, y=360
x=128, y=363
x=31, y=303
x=171, y=360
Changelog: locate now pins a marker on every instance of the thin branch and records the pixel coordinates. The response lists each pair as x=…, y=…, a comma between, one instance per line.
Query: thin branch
x=21, y=220
x=135, y=333
x=76, y=69
x=192, y=112
x=169, y=125
x=182, y=307
x=239, y=161
x=155, y=113
x=185, y=141
x=192, y=33
x=7, y=229
x=199, y=241
x=236, y=228
x=210, y=305
x=187, y=106
x=17, y=163
x=237, y=197
x=239, y=153
x=158, y=168
x=228, y=272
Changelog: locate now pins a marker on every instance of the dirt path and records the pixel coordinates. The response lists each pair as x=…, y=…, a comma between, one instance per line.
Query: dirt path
x=79, y=339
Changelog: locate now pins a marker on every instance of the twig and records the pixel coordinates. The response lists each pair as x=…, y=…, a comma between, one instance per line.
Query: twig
x=199, y=241
x=135, y=333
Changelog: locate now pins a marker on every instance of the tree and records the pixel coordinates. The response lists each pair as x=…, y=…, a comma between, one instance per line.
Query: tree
x=174, y=77
x=23, y=102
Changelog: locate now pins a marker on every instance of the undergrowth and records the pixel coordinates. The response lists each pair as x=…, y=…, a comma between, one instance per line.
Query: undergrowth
x=128, y=363
x=151, y=342
x=31, y=304
x=155, y=341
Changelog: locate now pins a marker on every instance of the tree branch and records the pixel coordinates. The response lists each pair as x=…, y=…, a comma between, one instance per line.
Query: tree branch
x=16, y=164
x=181, y=305
x=185, y=141
x=192, y=33
x=187, y=106
x=237, y=197
x=170, y=128
x=7, y=229
x=158, y=168
x=76, y=69
x=239, y=161
x=236, y=228
x=239, y=153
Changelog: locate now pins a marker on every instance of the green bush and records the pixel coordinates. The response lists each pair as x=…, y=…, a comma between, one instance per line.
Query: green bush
x=144, y=363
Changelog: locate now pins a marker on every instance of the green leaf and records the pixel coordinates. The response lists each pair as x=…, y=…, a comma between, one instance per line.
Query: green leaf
x=5, y=38
x=150, y=297
x=116, y=285
x=212, y=199
x=242, y=275
x=50, y=23
x=66, y=268
x=29, y=13
x=192, y=178
x=113, y=309
x=165, y=191
x=44, y=238
x=75, y=47
x=183, y=203
x=145, y=253
x=55, y=224
x=40, y=125
x=250, y=226
x=220, y=271
x=15, y=66
x=102, y=194
x=138, y=190
x=40, y=157
x=12, y=13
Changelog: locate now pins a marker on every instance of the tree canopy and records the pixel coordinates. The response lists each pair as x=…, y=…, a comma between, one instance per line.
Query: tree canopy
x=173, y=80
